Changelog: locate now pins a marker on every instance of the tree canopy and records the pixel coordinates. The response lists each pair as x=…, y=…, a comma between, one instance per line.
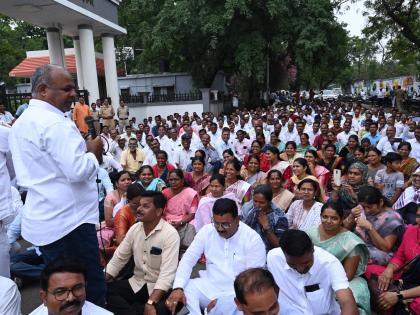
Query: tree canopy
x=238, y=37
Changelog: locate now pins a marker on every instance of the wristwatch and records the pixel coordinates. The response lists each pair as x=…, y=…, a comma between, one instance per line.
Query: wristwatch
x=151, y=302
x=267, y=229
x=400, y=296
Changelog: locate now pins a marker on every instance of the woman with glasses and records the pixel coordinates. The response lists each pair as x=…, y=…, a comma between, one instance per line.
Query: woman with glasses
x=181, y=206
x=304, y=214
x=146, y=179
x=262, y=215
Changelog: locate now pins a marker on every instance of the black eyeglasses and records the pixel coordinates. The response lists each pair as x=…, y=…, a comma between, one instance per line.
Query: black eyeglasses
x=62, y=294
x=224, y=225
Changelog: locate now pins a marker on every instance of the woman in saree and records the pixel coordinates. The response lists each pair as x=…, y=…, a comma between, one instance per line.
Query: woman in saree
x=408, y=250
x=204, y=212
x=290, y=153
x=374, y=164
x=115, y=200
x=408, y=164
x=346, y=193
x=262, y=215
x=273, y=155
x=125, y=218
x=304, y=144
x=148, y=181
x=162, y=168
x=234, y=183
x=347, y=152
x=304, y=214
x=252, y=173
x=180, y=208
x=348, y=248
x=198, y=179
x=320, y=172
x=282, y=198
x=300, y=172
x=256, y=149
x=380, y=227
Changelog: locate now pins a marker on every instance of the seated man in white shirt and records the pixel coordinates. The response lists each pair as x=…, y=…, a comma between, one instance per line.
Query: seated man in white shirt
x=9, y=297
x=63, y=290
x=311, y=279
x=230, y=247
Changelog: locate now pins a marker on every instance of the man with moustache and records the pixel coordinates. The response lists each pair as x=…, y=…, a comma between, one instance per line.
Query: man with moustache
x=63, y=290
x=230, y=247
x=311, y=279
x=154, y=245
x=58, y=168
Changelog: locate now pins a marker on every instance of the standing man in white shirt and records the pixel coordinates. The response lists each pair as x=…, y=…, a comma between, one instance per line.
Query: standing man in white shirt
x=7, y=212
x=311, y=279
x=230, y=247
x=58, y=168
x=60, y=278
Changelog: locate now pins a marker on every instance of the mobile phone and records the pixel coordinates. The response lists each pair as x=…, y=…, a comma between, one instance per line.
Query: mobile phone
x=183, y=311
x=337, y=177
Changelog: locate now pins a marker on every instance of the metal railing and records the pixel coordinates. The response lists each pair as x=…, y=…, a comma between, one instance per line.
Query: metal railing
x=14, y=100
x=162, y=98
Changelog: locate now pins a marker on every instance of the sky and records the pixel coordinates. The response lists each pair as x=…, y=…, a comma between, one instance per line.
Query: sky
x=353, y=17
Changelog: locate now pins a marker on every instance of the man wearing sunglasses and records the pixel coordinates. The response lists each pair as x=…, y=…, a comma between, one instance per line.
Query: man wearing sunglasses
x=63, y=290
x=230, y=247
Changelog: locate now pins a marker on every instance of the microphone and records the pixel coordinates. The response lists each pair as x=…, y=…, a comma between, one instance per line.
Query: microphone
x=91, y=127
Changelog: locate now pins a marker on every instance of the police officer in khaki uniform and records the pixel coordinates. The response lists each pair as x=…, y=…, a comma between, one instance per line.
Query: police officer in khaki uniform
x=94, y=112
x=122, y=113
x=107, y=114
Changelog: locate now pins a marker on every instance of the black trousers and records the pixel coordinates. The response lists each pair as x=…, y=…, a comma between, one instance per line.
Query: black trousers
x=121, y=299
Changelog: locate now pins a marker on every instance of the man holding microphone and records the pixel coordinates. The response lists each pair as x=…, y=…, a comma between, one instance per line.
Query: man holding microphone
x=59, y=169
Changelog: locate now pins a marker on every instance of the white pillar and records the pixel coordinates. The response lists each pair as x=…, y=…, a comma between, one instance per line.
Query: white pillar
x=56, y=47
x=87, y=49
x=111, y=80
x=79, y=67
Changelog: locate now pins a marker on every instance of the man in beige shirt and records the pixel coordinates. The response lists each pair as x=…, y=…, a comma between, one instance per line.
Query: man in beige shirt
x=107, y=114
x=122, y=113
x=154, y=245
x=132, y=158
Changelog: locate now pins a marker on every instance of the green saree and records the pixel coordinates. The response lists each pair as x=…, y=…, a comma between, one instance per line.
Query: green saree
x=344, y=245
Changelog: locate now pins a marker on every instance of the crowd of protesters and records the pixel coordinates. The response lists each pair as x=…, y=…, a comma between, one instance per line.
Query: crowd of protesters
x=309, y=206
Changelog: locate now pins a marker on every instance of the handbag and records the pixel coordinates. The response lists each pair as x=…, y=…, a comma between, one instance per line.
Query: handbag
x=409, y=276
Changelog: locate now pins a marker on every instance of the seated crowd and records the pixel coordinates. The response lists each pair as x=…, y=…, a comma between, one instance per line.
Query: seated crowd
x=304, y=209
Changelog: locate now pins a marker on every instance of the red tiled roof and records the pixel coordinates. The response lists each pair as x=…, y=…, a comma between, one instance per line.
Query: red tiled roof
x=28, y=66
